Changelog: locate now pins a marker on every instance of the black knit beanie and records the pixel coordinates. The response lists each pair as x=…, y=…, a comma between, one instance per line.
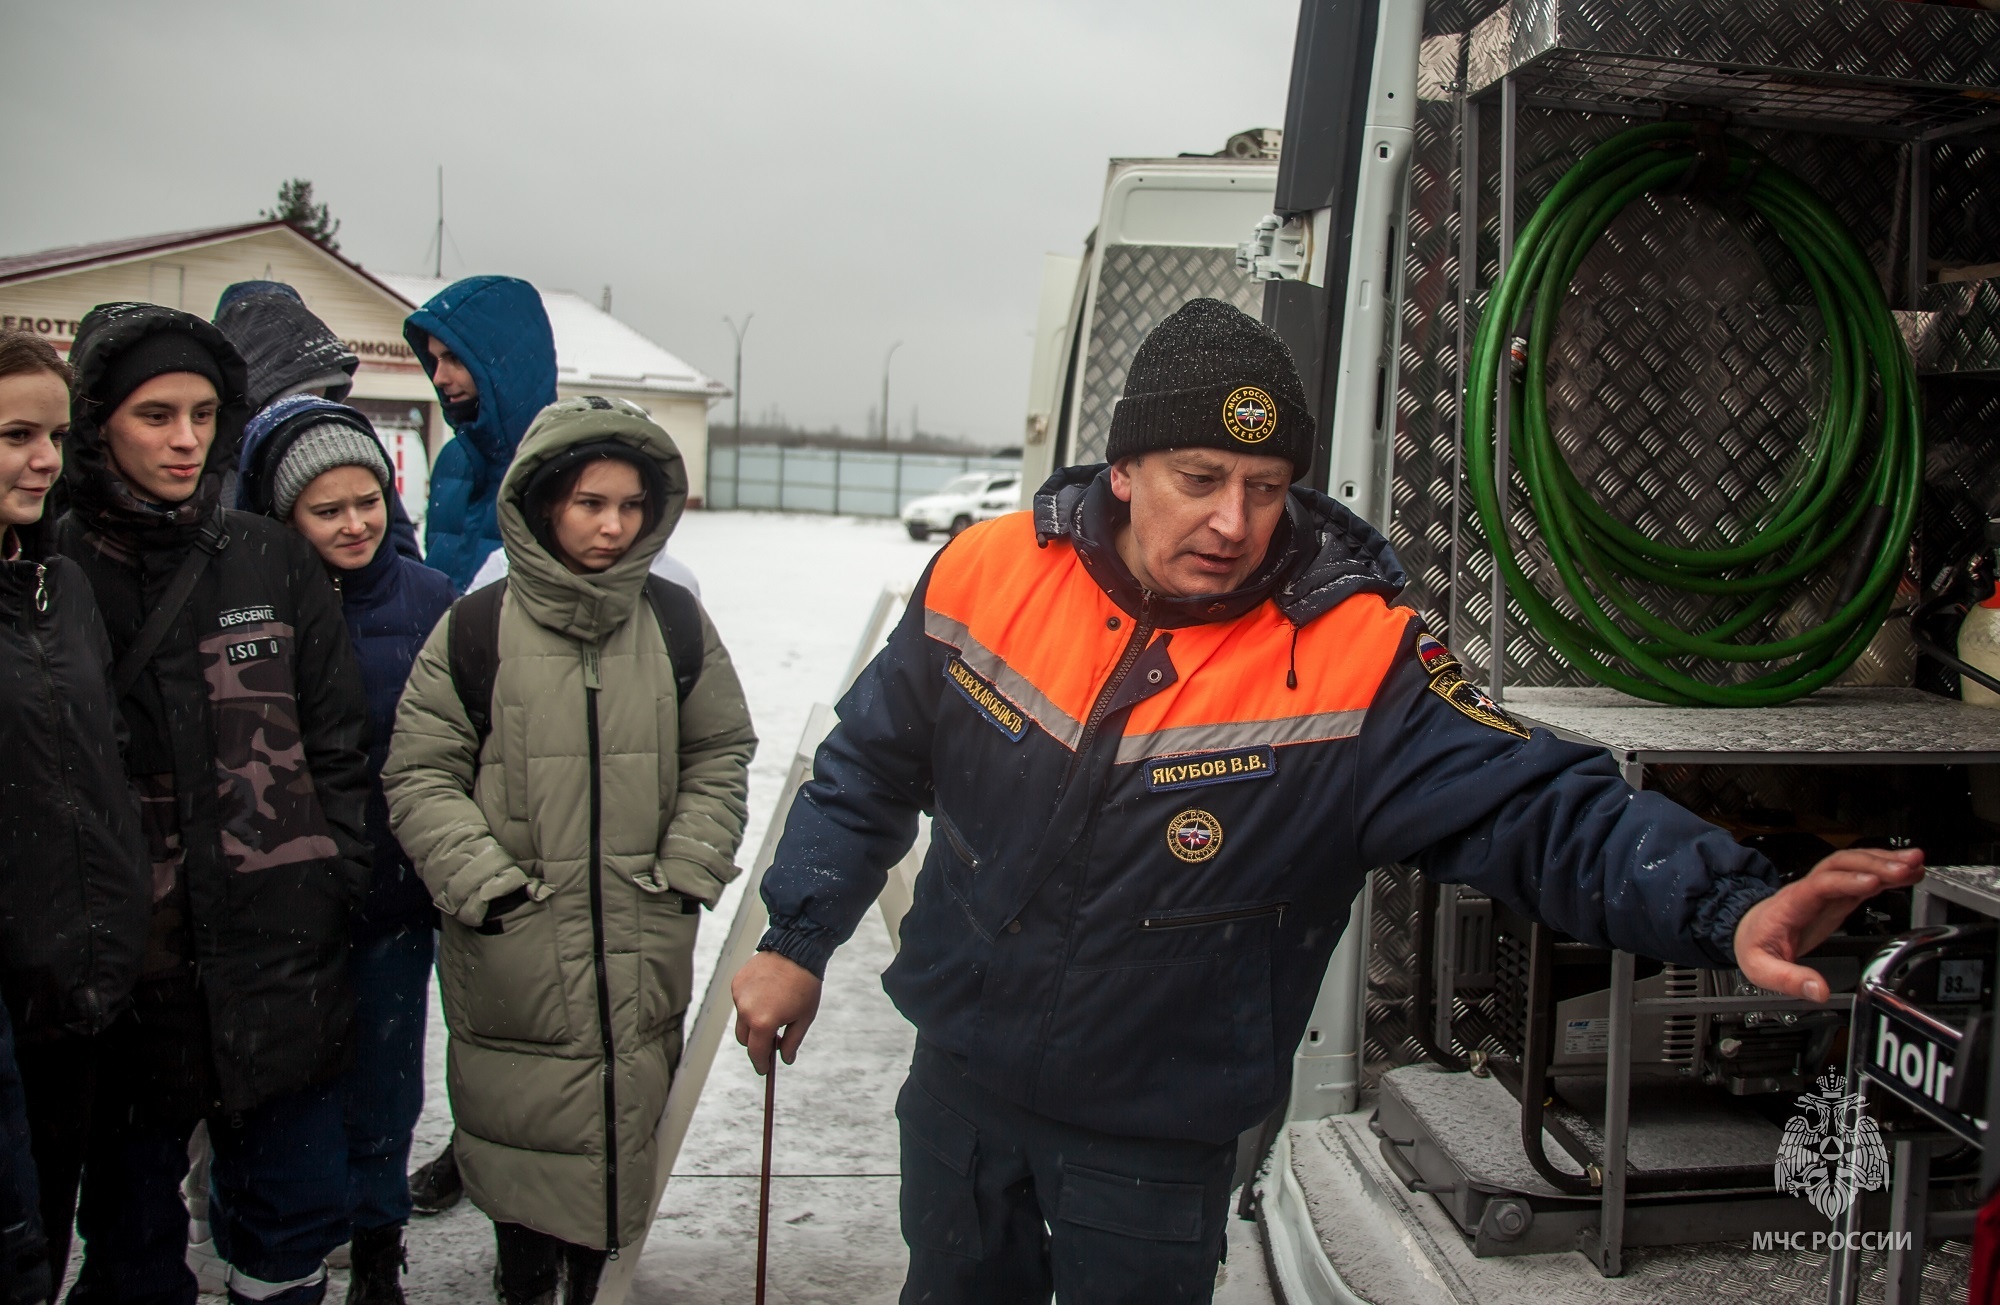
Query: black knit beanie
x=1211, y=376
x=154, y=354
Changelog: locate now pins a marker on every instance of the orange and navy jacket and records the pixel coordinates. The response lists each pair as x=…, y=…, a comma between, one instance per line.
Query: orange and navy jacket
x=1151, y=815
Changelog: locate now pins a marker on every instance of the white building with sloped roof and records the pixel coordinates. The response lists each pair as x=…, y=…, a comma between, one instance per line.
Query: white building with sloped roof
x=49, y=291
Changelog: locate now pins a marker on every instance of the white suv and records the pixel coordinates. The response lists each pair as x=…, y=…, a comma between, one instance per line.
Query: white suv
x=975, y=496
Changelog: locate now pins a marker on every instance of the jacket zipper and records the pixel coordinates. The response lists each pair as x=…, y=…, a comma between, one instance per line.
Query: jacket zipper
x=54, y=699
x=956, y=839
x=1213, y=917
x=1142, y=634
x=608, y=1072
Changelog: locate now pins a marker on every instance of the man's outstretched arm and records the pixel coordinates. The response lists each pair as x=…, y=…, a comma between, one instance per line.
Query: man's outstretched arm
x=1552, y=830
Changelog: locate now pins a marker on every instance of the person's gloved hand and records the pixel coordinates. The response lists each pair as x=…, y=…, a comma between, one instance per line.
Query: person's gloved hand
x=1774, y=933
x=512, y=886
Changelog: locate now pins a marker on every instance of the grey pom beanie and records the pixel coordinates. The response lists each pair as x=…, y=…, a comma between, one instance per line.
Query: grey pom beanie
x=319, y=449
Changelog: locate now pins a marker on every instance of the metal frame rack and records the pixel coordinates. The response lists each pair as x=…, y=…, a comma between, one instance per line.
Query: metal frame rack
x=1838, y=727
x=1901, y=73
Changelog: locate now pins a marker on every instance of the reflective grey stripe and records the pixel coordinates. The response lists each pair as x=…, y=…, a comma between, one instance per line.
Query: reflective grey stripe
x=1014, y=686
x=1241, y=734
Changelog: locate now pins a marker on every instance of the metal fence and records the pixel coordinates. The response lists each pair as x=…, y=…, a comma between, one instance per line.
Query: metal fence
x=832, y=480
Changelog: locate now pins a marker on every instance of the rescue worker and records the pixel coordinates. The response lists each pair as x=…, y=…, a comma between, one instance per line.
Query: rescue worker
x=1165, y=724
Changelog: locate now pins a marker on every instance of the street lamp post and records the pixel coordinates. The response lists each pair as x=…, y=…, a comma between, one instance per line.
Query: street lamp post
x=739, y=332
x=885, y=390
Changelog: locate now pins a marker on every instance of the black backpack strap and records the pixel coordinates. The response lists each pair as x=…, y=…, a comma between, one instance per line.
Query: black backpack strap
x=679, y=615
x=473, y=637
x=211, y=541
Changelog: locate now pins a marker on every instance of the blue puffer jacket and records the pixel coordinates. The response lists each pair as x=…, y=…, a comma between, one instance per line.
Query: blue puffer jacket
x=389, y=606
x=499, y=330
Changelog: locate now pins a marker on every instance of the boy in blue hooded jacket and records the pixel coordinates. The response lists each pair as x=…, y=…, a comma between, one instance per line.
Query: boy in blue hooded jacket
x=486, y=344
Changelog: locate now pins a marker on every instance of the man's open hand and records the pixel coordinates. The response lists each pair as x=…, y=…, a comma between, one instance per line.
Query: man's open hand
x=1775, y=932
x=772, y=993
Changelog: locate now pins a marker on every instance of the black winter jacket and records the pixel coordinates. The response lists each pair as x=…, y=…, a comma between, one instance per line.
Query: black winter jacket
x=249, y=734
x=74, y=881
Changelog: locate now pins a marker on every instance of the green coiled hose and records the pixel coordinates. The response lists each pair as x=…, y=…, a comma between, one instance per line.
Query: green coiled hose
x=1849, y=500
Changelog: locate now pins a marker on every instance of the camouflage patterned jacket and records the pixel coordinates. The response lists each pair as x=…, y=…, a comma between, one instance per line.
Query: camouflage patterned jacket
x=248, y=747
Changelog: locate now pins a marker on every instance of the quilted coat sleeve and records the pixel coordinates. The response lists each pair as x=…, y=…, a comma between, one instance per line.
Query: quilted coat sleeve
x=1548, y=827
x=857, y=815
x=698, y=852
x=428, y=779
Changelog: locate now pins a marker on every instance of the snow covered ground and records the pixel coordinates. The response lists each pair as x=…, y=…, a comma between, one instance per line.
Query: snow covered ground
x=790, y=594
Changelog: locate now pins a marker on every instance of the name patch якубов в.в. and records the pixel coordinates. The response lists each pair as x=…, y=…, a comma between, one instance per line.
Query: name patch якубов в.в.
x=1194, y=769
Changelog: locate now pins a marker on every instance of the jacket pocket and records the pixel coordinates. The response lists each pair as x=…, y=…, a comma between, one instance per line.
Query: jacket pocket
x=507, y=985
x=1205, y=973
x=962, y=867
x=1131, y=1207
x=668, y=922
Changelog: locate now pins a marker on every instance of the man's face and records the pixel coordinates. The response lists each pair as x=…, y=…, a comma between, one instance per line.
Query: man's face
x=1201, y=518
x=159, y=437
x=453, y=380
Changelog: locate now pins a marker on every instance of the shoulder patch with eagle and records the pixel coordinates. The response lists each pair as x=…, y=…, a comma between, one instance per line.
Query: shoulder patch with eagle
x=1448, y=682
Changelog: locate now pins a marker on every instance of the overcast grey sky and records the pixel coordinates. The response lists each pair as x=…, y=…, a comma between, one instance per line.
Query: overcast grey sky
x=854, y=173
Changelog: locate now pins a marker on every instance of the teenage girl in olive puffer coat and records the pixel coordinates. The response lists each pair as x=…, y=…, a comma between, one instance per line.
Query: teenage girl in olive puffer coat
x=571, y=850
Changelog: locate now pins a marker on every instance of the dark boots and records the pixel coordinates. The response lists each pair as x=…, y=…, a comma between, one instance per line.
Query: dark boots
x=378, y=1265
x=436, y=1187
x=530, y=1266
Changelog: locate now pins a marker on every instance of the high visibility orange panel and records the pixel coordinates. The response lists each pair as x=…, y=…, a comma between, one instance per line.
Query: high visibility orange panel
x=1039, y=612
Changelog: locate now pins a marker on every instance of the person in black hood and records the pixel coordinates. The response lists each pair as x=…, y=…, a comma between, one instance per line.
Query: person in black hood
x=288, y=351
x=248, y=725
x=74, y=881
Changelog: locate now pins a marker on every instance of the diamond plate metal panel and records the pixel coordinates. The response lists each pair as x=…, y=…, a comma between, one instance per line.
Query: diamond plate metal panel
x=1444, y=17
x=1137, y=287
x=1386, y=1040
x=1859, y=64
x=1964, y=219
x=1957, y=329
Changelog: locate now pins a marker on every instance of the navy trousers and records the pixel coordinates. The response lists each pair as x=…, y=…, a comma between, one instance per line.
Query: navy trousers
x=279, y=1206
x=1002, y=1206
x=384, y=1091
